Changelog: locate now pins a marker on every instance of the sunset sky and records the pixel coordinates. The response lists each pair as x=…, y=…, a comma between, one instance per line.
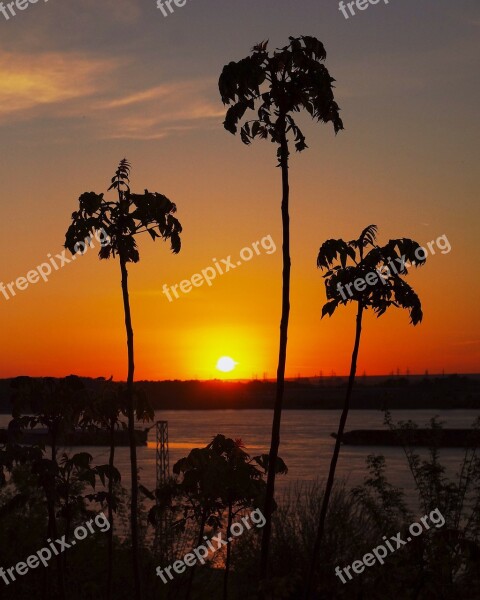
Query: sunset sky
x=85, y=83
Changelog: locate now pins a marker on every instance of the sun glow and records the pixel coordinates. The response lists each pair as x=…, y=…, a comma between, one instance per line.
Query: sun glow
x=225, y=364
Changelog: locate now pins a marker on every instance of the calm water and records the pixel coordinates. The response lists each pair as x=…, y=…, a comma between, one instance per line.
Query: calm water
x=306, y=444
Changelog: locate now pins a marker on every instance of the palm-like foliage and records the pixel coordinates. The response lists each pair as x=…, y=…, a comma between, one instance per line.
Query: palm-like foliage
x=361, y=271
x=277, y=86
x=294, y=79
x=119, y=221
x=122, y=219
x=383, y=265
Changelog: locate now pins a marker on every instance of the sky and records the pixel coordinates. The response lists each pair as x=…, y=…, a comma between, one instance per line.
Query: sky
x=84, y=84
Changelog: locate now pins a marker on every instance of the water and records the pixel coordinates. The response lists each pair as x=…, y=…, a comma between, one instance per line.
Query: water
x=306, y=444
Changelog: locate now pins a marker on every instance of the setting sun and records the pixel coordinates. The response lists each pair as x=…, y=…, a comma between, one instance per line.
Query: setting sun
x=226, y=364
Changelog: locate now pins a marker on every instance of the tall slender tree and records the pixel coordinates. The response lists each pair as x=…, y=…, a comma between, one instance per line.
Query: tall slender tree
x=119, y=222
x=372, y=280
x=277, y=86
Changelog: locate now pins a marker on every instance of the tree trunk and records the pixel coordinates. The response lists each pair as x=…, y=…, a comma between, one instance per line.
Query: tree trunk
x=229, y=553
x=192, y=569
x=53, y=535
x=282, y=357
x=52, y=521
x=111, y=462
x=336, y=452
x=131, y=433
x=67, y=524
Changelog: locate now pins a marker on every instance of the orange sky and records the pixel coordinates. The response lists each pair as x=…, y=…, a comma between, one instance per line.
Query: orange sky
x=82, y=89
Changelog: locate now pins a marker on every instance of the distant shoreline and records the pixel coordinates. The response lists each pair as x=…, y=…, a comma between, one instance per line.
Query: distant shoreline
x=443, y=409
x=450, y=392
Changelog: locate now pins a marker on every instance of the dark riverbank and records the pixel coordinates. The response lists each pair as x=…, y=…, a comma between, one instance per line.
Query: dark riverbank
x=371, y=393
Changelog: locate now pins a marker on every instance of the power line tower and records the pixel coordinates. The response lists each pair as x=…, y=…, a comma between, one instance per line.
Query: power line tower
x=162, y=533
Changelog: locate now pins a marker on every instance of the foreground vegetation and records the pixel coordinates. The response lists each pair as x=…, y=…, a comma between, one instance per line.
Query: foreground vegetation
x=215, y=486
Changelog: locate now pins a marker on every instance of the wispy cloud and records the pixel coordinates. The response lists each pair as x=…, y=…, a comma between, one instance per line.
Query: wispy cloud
x=139, y=97
x=31, y=83
x=69, y=87
x=162, y=110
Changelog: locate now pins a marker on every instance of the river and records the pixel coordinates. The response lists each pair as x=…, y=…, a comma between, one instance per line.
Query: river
x=306, y=444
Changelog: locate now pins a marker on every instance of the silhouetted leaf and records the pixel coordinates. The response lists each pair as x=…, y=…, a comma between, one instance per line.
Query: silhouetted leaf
x=329, y=308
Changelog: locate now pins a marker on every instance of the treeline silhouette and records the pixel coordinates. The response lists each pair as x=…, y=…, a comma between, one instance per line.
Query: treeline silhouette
x=450, y=392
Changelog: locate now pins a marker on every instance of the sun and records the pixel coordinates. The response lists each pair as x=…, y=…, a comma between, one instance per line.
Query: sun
x=225, y=364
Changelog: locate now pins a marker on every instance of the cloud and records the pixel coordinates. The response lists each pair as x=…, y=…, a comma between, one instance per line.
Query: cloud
x=159, y=111
x=32, y=83
x=72, y=88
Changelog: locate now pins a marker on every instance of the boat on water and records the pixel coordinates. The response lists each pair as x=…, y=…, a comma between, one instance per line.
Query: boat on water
x=78, y=437
x=443, y=438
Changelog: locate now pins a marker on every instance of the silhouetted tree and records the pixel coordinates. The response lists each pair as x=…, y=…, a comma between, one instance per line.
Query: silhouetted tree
x=103, y=412
x=211, y=481
x=118, y=222
x=200, y=483
x=289, y=80
x=55, y=404
x=73, y=472
x=243, y=486
x=372, y=281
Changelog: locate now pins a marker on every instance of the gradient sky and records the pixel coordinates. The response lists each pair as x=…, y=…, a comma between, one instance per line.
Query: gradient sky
x=84, y=83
